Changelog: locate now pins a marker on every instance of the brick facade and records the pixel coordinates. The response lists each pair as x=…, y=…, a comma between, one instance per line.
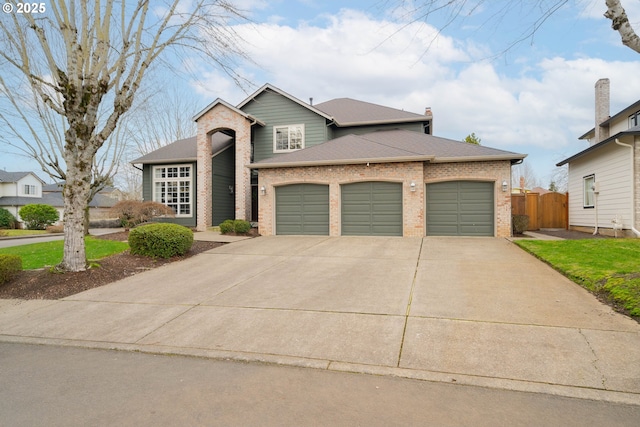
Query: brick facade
x=218, y=118
x=414, y=201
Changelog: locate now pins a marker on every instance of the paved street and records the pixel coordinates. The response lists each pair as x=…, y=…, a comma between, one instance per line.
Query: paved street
x=474, y=311
x=65, y=386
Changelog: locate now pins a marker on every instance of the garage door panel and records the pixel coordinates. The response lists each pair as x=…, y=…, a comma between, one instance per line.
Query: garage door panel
x=302, y=209
x=460, y=208
x=372, y=208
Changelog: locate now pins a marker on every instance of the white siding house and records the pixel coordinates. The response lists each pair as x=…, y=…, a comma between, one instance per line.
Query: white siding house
x=604, y=179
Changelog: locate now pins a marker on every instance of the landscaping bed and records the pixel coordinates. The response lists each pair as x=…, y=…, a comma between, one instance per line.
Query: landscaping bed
x=43, y=284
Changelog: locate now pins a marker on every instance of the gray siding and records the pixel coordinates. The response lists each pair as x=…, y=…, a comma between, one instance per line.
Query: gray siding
x=274, y=109
x=147, y=194
x=359, y=130
x=223, y=166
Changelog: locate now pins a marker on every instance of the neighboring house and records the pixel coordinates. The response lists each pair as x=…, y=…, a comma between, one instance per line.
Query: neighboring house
x=18, y=189
x=99, y=206
x=342, y=167
x=604, y=179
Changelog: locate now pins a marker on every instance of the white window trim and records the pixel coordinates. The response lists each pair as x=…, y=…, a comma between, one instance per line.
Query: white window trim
x=634, y=119
x=586, y=191
x=154, y=180
x=26, y=190
x=275, y=144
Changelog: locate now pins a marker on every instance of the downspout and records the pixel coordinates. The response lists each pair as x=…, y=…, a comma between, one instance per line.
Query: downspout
x=633, y=192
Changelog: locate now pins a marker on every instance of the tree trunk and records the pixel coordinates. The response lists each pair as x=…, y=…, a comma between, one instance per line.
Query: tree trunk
x=76, y=195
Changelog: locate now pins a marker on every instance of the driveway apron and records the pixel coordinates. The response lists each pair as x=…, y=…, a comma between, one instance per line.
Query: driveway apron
x=467, y=310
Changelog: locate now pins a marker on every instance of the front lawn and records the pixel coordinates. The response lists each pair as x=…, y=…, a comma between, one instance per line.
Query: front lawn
x=608, y=267
x=38, y=255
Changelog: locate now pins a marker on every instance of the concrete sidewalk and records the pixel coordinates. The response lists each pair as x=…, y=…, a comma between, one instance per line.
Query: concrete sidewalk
x=474, y=311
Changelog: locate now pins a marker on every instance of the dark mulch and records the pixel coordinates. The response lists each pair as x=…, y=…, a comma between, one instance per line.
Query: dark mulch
x=43, y=284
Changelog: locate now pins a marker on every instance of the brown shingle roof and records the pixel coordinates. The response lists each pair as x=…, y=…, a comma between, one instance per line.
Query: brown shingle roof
x=350, y=112
x=387, y=146
x=183, y=150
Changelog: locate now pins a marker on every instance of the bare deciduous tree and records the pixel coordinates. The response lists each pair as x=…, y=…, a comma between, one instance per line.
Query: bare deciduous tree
x=83, y=63
x=534, y=13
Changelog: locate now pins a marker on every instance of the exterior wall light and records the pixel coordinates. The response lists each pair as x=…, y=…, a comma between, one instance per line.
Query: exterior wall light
x=231, y=189
x=412, y=186
x=504, y=186
x=263, y=190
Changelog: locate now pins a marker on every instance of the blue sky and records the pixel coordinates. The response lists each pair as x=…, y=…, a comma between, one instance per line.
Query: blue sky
x=536, y=98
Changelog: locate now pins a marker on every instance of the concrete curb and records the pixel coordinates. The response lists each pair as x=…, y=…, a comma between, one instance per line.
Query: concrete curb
x=356, y=368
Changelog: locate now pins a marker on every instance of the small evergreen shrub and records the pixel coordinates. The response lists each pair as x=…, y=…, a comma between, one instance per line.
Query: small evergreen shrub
x=10, y=265
x=162, y=240
x=226, y=226
x=7, y=220
x=38, y=216
x=519, y=223
x=239, y=226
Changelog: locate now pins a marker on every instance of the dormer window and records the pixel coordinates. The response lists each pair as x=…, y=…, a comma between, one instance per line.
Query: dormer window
x=634, y=119
x=288, y=138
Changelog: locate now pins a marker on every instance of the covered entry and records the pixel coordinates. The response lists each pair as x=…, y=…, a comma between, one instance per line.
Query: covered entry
x=460, y=208
x=302, y=209
x=372, y=209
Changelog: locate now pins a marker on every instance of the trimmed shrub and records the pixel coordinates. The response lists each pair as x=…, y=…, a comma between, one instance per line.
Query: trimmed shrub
x=162, y=240
x=239, y=226
x=38, y=216
x=519, y=223
x=10, y=265
x=7, y=220
x=226, y=226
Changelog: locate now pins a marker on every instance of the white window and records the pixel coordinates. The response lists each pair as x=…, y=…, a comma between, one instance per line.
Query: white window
x=172, y=186
x=589, y=193
x=634, y=119
x=288, y=138
x=30, y=190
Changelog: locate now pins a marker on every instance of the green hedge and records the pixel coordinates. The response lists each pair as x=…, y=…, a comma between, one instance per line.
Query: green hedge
x=160, y=240
x=38, y=216
x=7, y=220
x=239, y=226
x=10, y=265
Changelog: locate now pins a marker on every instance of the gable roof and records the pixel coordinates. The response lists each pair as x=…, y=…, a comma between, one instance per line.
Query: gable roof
x=624, y=112
x=387, y=146
x=351, y=112
x=631, y=131
x=15, y=176
x=184, y=150
x=269, y=87
x=236, y=110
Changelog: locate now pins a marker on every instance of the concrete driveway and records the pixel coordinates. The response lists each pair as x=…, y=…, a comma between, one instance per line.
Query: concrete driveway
x=465, y=310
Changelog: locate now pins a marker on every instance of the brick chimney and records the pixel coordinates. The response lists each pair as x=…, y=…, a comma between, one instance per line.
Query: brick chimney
x=428, y=127
x=602, y=110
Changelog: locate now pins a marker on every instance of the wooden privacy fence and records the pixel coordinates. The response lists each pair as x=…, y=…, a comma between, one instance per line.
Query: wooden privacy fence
x=549, y=210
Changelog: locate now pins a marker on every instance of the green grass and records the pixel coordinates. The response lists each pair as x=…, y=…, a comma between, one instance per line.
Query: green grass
x=603, y=266
x=38, y=255
x=13, y=233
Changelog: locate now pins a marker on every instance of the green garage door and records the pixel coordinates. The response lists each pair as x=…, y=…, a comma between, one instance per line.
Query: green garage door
x=302, y=209
x=372, y=209
x=460, y=208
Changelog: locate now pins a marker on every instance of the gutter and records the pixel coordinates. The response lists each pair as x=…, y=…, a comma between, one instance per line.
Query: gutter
x=336, y=162
x=633, y=192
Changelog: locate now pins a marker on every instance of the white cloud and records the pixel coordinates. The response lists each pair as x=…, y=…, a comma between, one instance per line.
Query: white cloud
x=541, y=109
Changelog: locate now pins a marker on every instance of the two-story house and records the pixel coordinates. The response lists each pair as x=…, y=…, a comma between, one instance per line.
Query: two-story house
x=604, y=178
x=341, y=167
